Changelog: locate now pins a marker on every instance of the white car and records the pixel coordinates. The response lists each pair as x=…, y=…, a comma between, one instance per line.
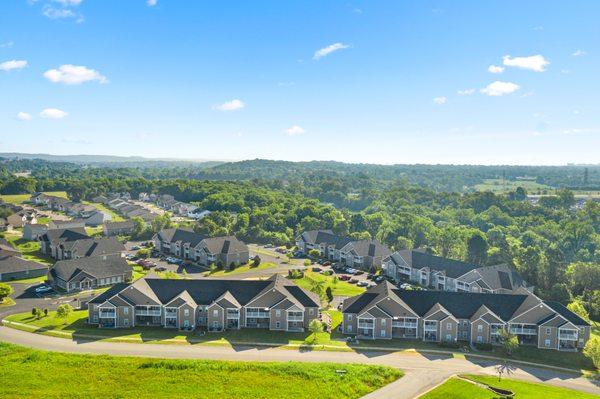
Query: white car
x=42, y=289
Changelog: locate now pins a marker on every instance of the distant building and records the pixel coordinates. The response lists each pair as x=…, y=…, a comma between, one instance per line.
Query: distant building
x=88, y=273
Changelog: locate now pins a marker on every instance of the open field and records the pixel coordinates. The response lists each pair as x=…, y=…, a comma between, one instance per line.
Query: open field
x=460, y=389
x=498, y=186
x=341, y=288
x=241, y=269
x=129, y=377
x=29, y=249
x=20, y=198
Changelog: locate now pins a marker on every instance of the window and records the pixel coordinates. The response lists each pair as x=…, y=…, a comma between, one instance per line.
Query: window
x=547, y=343
x=126, y=322
x=448, y=337
x=277, y=324
x=479, y=328
x=349, y=317
x=349, y=328
x=186, y=323
x=448, y=326
x=382, y=333
x=125, y=311
x=215, y=313
x=547, y=330
x=383, y=322
x=95, y=318
x=479, y=339
x=186, y=312
x=311, y=311
x=278, y=313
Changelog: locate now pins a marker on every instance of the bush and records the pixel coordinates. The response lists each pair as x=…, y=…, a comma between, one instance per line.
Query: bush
x=484, y=347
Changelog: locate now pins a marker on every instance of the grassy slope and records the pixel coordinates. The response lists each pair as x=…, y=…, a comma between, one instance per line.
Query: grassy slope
x=242, y=269
x=29, y=249
x=341, y=288
x=115, y=216
x=20, y=198
x=37, y=374
x=456, y=388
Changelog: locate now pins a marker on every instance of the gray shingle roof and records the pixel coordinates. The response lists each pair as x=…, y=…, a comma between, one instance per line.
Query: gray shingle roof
x=184, y=236
x=97, y=266
x=566, y=313
x=324, y=237
x=14, y=264
x=224, y=245
x=55, y=236
x=95, y=246
x=418, y=259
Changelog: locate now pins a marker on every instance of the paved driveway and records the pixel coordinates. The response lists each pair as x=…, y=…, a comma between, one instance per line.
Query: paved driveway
x=423, y=371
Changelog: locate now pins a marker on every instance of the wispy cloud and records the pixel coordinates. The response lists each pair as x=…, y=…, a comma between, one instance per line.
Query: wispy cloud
x=295, y=130
x=74, y=75
x=466, y=92
x=7, y=44
x=232, y=105
x=440, y=100
x=580, y=131
x=495, y=69
x=24, y=116
x=67, y=3
x=579, y=53
x=499, y=88
x=151, y=3
x=64, y=9
x=53, y=113
x=535, y=63
x=12, y=65
x=325, y=51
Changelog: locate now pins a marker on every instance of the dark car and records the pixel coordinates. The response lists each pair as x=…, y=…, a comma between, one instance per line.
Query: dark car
x=353, y=281
x=344, y=277
x=379, y=279
x=359, y=273
x=370, y=276
x=317, y=269
x=160, y=269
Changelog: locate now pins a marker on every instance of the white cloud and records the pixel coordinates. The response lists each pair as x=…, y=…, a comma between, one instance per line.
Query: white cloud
x=329, y=49
x=13, y=64
x=499, y=88
x=7, y=44
x=24, y=116
x=580, y=131
x=466, y=92
x=495, y=69
x=295, y=130
x=53, y=113
x=535, y=63
x=232, y=105
x=151, y=3
x=73, y=75
x=68, y=3
x=579, y=53
x=58, y=13
x=440, y=100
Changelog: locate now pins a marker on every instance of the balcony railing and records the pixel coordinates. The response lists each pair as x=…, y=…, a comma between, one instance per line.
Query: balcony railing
x=147, y=312
x=104, y=314
x=295, y=318
x=362, y=324
x=404, y=324
x=257, y=315
x=567, y=336
x=523, y=331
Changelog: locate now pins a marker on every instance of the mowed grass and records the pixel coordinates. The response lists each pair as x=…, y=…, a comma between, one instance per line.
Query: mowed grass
x=460, y=389
x=242, y=269
x=341, y=288
x=21, y=198
x=115, y=216
x=27, y=373
x=498, y=186
x=29, y=249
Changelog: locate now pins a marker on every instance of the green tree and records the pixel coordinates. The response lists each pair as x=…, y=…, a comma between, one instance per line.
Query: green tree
x=315, y=327
x=314, y=253
x=477, y=249
x=318, y=287
x=38, y=313
x=592, y=350
x=139, y=226
x=5, y=291
x=577, y=307
x=63, y=311
x=584, y=276
x=256, y=261
x=143, y=253
x=329, y=294
x=509, y=342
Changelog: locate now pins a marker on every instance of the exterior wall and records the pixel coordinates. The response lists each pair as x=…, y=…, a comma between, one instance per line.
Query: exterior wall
x=584, y=336
x=92, y=313
x=447, y=327
x=350, y=323
x=484, y=334
x=550, y=334
x=464, y=330
x=383, y=328
x=281, y=319
x=218, y=317
x=309, y=315
x=125, y=318
x=182, y=318
x=23, y=274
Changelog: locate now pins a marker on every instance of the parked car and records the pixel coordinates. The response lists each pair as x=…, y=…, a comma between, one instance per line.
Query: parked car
x=317, y=269
x=362, y=284
x=353, y=281
x=268, y=245
x=379, y=279
x=344, y=277
x=358, y=273
x=135, y=248
x=160, y=269
x=327, y=263
x=42, y=289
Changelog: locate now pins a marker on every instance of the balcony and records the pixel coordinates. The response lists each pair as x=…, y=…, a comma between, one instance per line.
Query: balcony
x=257, y=315
x=365, y=324
x=523, y=331
x=147, y=312
x=168, y=313
x=567, y=336
x=107, y=314
x=295, y=318
x=404, y=324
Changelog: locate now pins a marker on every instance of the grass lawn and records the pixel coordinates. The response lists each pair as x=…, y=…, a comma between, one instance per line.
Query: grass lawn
x=29, y=249
x=241, y=269
x=128, y=377
x=6, y=302
x=21, y=198
x=497, y=186
x=341, y=288
x=32, y=280
x=138, y=271
x=457, y=388
x=94, y=231
x=115, y=216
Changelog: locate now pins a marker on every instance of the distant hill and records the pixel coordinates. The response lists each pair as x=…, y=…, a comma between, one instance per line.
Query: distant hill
x=111, y=160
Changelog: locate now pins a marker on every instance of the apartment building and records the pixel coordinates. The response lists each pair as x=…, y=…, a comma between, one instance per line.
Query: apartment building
x=211, y=304
x=386, y=312
x=89, y=273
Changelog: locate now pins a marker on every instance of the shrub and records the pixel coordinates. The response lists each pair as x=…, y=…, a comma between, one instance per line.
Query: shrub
x=484, y=347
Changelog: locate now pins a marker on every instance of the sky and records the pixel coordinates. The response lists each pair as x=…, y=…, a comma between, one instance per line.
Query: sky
x=437, y=82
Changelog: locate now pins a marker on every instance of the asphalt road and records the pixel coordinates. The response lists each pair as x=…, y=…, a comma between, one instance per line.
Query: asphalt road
x=423, y=371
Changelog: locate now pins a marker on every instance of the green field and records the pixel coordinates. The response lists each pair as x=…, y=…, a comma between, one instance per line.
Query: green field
x=498, y=186
x=460, y=389
x=29, y=249
x=341, y=288
x=27, y=373
x=21, y=198
x=241, y=269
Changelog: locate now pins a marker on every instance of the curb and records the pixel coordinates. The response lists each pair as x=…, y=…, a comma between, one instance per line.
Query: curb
x=31, y=329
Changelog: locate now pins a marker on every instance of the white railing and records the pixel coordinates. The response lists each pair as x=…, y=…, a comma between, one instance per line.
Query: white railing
x=523, y=331
x=146, y=312
x=295, y=318
x=571, y=336
x=257, y=315
x=108, y=314
x=362, y=324
x=404, y=324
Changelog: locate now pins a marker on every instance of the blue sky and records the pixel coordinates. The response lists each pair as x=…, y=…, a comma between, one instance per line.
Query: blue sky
x=354, y=81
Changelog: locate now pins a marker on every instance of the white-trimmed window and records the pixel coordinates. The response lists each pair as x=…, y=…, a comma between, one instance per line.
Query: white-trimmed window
x=126, y=322
x=277, y=324
x=349, y=328
x=382, y=333
x=480, y=328
x=479, y=339
x=448, y=326
x=126, y=311
x=448, y=337
x=349, y=317
x=547, y=343
x=278, y=313
x=215, y=313
x=383, y=322
x=186, y=312
x=311, y=311
x=548, y=330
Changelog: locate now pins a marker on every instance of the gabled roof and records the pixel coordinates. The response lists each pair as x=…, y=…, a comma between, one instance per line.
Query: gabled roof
x=125, y=224
x=55, y=236
x=94, y=246
x=112, y=291
x=566, y=313
x=324, y=237
x=183, y=236
x=14, y=264
x=418, y=259
x=223, y=245
x=371, y=248
x=96, y=266
x=495, y=277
